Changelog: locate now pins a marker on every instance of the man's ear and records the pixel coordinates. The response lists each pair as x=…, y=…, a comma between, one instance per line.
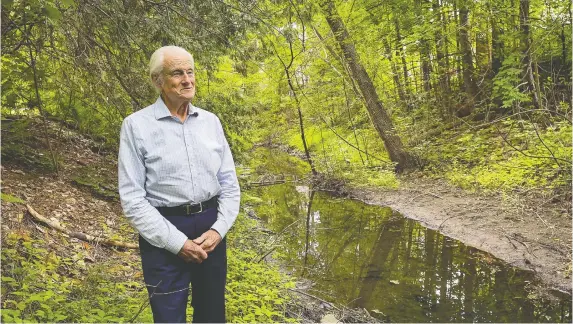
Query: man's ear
x=157, y=82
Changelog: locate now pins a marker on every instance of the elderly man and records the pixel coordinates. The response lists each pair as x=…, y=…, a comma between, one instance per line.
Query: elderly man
x=179, y=189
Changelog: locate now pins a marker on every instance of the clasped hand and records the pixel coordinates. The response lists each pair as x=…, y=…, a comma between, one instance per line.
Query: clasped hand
x=196, y=250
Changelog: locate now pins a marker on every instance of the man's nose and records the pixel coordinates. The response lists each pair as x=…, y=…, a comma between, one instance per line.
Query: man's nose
x=186, y=77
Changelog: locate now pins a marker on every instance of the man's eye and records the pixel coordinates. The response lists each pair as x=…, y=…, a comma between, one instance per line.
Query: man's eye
x=177, y=73
x=190, y=73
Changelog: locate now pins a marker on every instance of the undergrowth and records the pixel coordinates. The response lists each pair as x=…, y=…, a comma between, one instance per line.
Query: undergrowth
x=504, y=156
x=508, y=156
x=336, y=159
x=39, y=285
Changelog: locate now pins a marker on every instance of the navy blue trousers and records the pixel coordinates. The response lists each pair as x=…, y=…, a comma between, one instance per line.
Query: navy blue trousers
x=168, y=277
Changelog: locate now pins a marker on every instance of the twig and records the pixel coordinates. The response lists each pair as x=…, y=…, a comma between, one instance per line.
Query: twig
x=145, y=303
x=313, y=296
x=544, y=222
x=79, y=235
x=266, y=183
x=522, y=243
x=445, y=220
x=274, y=240
x=509, y=239
x=265, y=255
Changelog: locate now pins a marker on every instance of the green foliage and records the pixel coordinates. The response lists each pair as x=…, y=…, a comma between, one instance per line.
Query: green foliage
x=335, y=158
x=40, y=286
x=11, y=199
x=506, y=82
x=484, y=159
x=256, y=291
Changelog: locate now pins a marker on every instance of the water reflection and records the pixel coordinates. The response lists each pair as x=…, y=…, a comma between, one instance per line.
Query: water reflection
x=372, y=257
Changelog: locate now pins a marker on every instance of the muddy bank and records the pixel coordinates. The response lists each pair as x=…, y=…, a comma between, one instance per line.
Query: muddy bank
x=530, y=231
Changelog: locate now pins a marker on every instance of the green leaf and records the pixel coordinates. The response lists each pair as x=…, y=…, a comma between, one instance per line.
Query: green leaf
x=53, y=12
x=11, y=199
x=67, y=3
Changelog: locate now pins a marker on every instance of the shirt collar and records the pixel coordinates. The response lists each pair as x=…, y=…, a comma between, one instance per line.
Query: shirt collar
x=161, y=110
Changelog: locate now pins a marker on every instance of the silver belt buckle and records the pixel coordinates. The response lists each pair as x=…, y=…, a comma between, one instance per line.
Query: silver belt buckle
x=188, y=209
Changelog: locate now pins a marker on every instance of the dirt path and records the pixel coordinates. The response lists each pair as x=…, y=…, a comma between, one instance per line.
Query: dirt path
x=529, y=231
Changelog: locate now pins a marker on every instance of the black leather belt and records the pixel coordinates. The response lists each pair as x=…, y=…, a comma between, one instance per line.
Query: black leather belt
x=189, y=209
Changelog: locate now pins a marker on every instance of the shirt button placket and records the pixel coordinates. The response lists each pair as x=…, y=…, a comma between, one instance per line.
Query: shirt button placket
x=189, y=148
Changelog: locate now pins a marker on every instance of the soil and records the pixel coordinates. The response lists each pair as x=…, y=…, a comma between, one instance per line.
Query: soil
x=530, y=230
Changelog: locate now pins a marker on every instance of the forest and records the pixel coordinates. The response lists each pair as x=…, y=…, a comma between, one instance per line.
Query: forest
x=417, y=152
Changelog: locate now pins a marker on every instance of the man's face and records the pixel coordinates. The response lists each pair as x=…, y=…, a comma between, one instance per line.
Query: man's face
x=178, y=77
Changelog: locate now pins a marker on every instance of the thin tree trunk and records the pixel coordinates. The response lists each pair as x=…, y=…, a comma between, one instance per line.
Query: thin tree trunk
x=424, y=50
x=525, y=43
x=402, y=52
x=40, y=108
x=443, y=93
x=351, y=119
x=458, y=63
x=378, y=114
x=395, y=73
x=445, y=23
x=287, y=68
x=300, y=122
x=467, y=58
x=496, y=44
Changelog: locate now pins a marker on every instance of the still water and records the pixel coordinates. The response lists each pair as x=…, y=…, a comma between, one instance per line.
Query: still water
x=372, y=257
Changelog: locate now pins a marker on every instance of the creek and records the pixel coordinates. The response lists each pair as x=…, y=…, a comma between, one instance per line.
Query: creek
x=372, y=257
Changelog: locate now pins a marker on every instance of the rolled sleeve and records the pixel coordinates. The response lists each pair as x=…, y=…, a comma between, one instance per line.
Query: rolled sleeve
x=145, y=218
x=230, y=194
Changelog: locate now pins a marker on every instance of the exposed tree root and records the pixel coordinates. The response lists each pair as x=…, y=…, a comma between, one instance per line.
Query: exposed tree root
x=79, y=235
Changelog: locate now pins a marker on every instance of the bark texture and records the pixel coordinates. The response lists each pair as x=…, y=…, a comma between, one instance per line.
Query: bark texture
x=378, y=114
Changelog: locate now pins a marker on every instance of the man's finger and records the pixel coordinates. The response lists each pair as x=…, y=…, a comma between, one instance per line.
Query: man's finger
x=203, y=254
x=200, y=239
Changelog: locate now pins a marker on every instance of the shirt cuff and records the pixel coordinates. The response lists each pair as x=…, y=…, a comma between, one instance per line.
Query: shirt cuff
x=221, y=227
x=175, y=242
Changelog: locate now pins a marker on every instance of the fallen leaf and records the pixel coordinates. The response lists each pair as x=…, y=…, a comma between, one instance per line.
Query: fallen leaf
x=329, y=318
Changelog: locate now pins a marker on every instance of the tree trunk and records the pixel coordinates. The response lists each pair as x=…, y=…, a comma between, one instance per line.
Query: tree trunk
x=470, y=86
x=425, y=67
x=496, y=44
x=458, y=60
x=525, y=44
x=402, y=52
x=443, y=93
x=395, y=73
x=378, y=114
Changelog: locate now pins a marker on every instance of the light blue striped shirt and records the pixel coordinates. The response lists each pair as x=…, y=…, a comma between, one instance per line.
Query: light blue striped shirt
x=164, y=162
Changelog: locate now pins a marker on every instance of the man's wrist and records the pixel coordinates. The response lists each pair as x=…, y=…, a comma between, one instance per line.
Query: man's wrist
x=176, y=242
x=220, y=227
x=217, y=232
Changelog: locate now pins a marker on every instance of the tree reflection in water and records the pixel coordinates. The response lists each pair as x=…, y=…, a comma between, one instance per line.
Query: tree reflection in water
x=372, y=257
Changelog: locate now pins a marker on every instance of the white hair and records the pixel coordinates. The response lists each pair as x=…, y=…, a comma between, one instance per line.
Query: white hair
x=157, y=59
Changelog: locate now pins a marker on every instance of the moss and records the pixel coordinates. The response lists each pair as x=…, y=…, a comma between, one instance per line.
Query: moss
x=96, y=183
